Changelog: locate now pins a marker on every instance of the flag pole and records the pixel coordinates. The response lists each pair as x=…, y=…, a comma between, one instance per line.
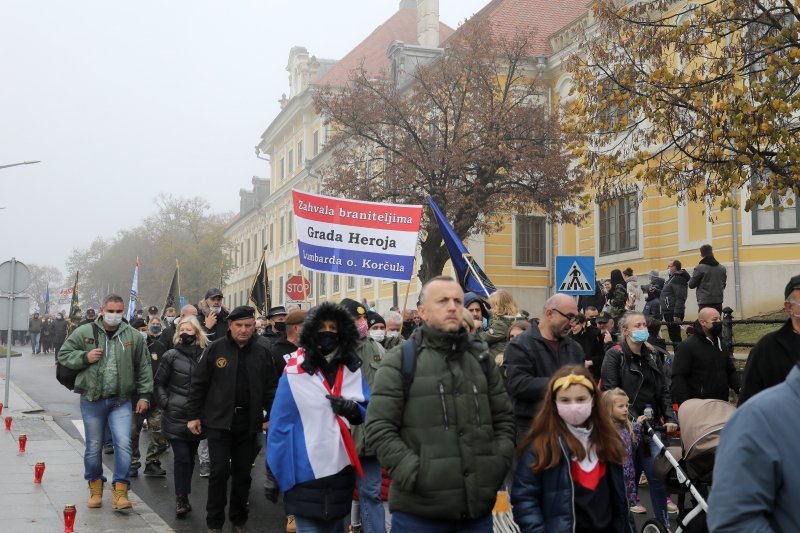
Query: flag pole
x=178, y=269
x=408, y=287
x=477, y=277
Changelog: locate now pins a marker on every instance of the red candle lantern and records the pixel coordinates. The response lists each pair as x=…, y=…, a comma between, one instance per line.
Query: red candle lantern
x=23, y=440
x=38, y=472
x=8, y=423
x=1, y=408
x=69, y=518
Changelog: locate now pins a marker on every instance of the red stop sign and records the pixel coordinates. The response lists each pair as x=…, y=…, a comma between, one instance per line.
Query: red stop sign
x=298, y=288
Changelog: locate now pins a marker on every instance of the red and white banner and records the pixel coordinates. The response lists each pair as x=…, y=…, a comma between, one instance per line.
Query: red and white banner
x=367, y=239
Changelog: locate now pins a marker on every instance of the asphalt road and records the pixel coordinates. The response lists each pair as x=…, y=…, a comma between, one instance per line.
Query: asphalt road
x=36, y=376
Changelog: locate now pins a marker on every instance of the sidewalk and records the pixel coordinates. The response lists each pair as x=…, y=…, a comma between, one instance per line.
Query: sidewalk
x=28, y=507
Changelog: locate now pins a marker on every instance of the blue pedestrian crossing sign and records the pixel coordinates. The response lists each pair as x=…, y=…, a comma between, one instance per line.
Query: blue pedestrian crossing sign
x=575, y=274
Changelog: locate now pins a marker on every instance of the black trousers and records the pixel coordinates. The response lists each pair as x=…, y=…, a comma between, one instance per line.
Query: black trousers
x=674, y=330
x=232, y=453
x=183, y=452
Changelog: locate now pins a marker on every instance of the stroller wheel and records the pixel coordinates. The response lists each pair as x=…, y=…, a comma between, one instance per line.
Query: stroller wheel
x=654, y=526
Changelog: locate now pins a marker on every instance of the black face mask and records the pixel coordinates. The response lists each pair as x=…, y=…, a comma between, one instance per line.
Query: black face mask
x=716, y=329
x=327, y=341
x=187, y=339
x=280, y=327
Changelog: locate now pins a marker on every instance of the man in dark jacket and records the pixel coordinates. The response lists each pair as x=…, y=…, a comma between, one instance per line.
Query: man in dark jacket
x=35, y=331
x=533, y=357
x=709, y=278
x=89, y=317
x=213, y=316
x=673, y=299
x=60, y=326
x=276, y=329
x=447, y=437
x=284, y=347
x=168, y=336
x=703, y=367
x=232, y=386
x=776, y=353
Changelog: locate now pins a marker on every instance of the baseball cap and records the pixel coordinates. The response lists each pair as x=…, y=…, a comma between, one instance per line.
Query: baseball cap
x=212, y=293
x=793, y=284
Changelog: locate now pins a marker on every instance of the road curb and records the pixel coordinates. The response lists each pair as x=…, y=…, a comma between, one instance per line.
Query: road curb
x=147, y=514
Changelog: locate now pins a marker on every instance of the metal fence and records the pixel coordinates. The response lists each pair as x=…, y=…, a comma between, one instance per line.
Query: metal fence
x=728, y=322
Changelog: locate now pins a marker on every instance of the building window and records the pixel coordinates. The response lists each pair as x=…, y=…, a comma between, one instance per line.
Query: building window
x=283, y=168
x=241, y=298
x=280, y=232
x=619, y=225
x=241, y=251
x=270, y=293
x=335, y=282
x=351, y=283
x=264, y=237
x=256, y=254
x=248, y=251
x=778, y=214
x=367, y=282
x=300, y=154
x=316, y=142
x=531, y=245
x=291, y=162
x=271, y=235
x=322, y=284
x=289, y=226
x=279, y=296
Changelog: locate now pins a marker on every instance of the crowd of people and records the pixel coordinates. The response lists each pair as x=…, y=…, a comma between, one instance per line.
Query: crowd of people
x=416, y=420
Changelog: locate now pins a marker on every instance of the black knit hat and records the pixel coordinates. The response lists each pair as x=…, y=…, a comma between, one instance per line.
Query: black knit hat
x=241, y=312
x=374, y=318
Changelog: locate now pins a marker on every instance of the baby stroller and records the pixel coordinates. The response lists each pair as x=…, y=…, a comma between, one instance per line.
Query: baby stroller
x=688, y=469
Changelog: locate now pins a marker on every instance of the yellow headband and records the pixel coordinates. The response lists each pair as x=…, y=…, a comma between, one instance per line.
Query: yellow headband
x=572, y=379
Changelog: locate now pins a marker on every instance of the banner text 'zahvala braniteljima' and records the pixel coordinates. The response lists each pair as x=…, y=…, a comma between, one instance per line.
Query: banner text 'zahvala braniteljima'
x=356, y=238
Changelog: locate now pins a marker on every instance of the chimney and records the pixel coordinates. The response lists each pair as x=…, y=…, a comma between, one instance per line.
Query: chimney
x=428, y=23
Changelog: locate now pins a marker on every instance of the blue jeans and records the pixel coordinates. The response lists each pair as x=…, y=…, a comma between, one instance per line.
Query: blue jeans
x=658, y=496
x=97, y=416
x=35, y=342
x=409, y=522
x=311, y=525
x=369, y=496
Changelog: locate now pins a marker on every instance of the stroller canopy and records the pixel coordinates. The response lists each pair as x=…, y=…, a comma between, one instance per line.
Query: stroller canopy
x=701, y=422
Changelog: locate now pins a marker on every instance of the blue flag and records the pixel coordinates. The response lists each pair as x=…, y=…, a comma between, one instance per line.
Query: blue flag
x=468, y=272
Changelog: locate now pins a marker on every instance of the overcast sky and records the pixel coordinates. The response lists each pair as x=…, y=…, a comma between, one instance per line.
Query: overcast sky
x=124, y=100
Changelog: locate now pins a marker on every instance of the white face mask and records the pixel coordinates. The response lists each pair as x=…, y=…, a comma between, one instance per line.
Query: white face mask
x=216, y=309
x=392, y=334
x=170, y=320
x=112, y=319
x=377, y=334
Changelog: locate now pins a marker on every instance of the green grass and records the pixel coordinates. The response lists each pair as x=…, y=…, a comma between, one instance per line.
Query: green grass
x=753, y=332
x=14, y=353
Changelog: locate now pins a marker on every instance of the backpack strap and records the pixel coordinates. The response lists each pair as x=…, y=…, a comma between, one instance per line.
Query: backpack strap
x=408, y=364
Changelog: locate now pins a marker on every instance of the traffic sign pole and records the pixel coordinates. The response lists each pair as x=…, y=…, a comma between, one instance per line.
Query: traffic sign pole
x=10, y=329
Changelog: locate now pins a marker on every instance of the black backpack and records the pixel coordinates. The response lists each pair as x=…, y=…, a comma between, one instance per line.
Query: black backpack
x=408, y=362
x=66, y=376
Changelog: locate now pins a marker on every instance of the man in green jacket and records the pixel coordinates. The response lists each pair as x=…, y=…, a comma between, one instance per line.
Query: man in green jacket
x=114, y=363
x=447, y=438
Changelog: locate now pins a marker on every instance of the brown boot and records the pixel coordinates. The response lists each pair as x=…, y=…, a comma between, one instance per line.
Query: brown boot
x=119, y=496
x=95, y=494
x=181, y=505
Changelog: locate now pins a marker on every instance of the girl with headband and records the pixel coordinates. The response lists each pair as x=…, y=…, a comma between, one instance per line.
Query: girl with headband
x=569, y=477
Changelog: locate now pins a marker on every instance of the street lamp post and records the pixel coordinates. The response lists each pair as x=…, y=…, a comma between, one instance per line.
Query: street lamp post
x=18, y=164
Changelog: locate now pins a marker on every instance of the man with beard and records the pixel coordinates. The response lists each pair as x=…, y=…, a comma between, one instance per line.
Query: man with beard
x=533, y=357
x=213, y=316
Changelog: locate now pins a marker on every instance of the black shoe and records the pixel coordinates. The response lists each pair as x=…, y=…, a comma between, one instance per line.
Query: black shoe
x=181, y=507
x=108, y=449
x=133, y=472
x=155, y=470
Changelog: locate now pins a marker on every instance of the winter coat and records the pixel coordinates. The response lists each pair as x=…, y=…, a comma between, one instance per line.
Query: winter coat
x=709, y=278
x=673, y=295
x=619, y=300
x=591, y=341
x=597, y=300
x=703, y=368
x=35, y=325
x=60, y=330
x=756, y=471
x=172, y=383
x=156, y=350
x=529, y=364
x=47, y=330
x=497, y=335
x=371, y=353
x=220, y=329
x=770, y=361
x=212, y=394
x=448, y=445
x=544, y=502
x=329, y=497
x=622, y=369
x=280, y=351
x=652, y=307
x=134, y=374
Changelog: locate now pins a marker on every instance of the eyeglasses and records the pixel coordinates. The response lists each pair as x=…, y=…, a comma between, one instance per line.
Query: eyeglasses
x=572, y=318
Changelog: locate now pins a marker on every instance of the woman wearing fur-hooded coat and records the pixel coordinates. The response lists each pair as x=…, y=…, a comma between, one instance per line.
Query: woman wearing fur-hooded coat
x=321, y=394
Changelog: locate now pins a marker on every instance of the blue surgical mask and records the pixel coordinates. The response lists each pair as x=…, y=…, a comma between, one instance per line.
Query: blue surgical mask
x=640, y=335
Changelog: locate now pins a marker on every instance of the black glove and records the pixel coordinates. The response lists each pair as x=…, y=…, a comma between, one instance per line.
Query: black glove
x=271, y=490
x=346, y=408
